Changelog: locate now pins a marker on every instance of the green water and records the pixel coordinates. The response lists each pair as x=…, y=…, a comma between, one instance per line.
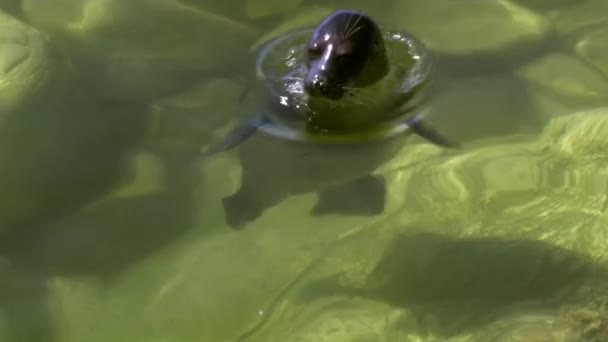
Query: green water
x=112, y=226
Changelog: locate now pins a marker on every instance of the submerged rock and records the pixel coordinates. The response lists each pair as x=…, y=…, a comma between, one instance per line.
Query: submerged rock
x=528, y=328
x=336, y=319
x=546, y=191
x=570, y=21
x=126, y=52
x=477, y=35
x=576, y=83
x=436, y=287
x=189, y=119
x=12, y=7
x=31, y=71
x=182, y=291
x=592, y=48
x=302, y=19
x=580, y=136
x=531, y=210
x=34, y=79
x=544, y=6
x=471, y=108
x=57, y=159
x=261, y=8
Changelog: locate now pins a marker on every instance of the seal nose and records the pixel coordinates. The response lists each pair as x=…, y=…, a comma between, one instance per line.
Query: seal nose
x=317, y=85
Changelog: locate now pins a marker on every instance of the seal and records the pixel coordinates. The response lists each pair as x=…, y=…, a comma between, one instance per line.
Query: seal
x=338, y=101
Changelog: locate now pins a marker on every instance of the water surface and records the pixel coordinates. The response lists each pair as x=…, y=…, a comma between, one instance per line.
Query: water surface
x=112, y=222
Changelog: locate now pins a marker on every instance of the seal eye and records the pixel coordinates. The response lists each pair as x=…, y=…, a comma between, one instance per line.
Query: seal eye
x=343, y=59
x=314, y=53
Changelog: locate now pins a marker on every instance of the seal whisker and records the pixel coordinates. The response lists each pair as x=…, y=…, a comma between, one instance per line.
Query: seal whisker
x=357, y=97
x=347, y=26
x=355, y=30
x=355, y=27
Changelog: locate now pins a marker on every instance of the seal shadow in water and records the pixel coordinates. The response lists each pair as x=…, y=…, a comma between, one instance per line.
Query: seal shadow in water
x=464, y=284
x=100, y=241
x=364, y=196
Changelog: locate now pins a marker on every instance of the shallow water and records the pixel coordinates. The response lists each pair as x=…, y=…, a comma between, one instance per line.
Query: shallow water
x=112, y=226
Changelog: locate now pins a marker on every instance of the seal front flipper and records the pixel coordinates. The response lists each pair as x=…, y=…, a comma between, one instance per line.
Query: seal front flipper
x=365, y=196
x=237, y=135
x=426, y=131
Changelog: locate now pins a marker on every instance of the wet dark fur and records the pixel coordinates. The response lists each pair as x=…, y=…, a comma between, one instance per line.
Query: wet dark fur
x=345, y=50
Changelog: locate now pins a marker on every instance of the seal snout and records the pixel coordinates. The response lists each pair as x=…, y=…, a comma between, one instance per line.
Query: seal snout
x=317, y=84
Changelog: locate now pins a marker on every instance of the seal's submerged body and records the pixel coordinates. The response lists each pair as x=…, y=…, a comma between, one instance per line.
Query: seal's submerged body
x=335, y=117
x=272, y=171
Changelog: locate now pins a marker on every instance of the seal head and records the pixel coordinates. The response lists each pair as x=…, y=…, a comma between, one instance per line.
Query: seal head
x=346, y=50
